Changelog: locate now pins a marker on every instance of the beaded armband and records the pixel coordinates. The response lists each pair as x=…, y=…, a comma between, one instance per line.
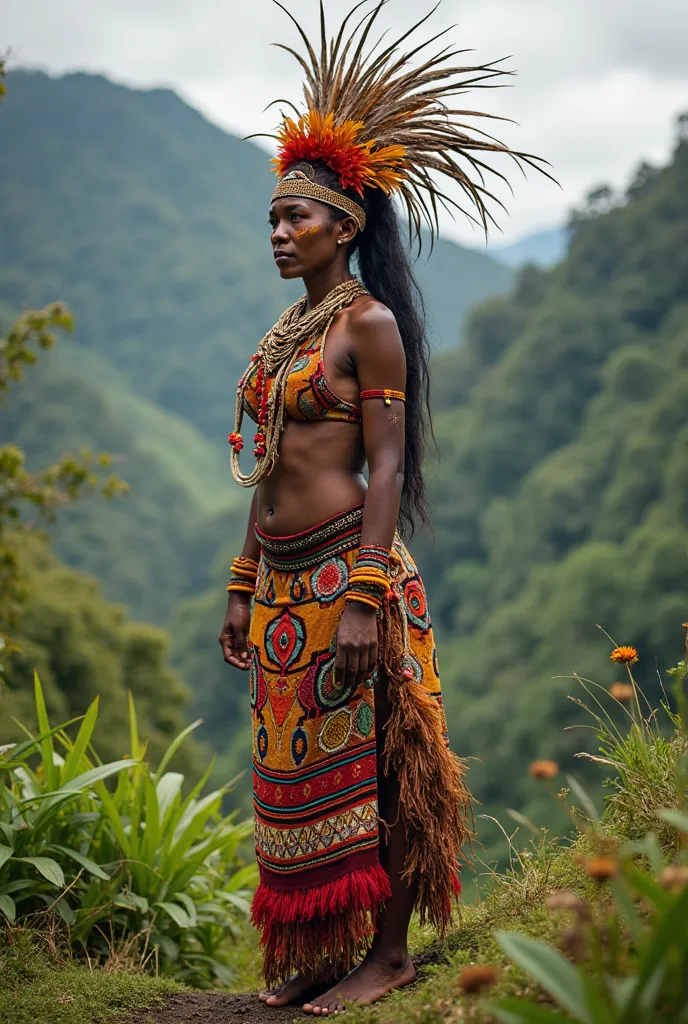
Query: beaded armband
x=244, y=572
x=369, y=579
x=387, y=394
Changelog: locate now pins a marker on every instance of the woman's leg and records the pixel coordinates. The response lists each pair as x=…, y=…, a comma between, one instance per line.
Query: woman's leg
x=387, y=965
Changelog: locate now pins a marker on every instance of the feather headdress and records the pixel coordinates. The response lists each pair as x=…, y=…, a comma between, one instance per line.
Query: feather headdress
x=380, y=121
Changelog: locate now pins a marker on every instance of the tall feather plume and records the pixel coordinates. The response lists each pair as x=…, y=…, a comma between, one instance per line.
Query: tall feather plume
x=400, y=118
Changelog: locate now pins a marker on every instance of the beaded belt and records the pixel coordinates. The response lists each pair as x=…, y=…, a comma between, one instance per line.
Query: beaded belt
x=311, y=547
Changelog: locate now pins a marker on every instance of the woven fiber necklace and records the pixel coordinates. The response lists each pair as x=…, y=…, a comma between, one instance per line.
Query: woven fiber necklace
x=275, y=356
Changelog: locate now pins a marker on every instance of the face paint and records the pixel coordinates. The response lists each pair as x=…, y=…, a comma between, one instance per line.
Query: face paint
x=312, y=230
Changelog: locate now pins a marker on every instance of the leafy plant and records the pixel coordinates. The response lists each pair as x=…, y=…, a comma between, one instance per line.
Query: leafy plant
x=630, y=946
x=37, y=805
x=143, y=867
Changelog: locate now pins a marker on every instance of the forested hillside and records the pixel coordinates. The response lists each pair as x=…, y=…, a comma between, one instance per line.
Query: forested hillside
x=151, y=224
x=562, y=496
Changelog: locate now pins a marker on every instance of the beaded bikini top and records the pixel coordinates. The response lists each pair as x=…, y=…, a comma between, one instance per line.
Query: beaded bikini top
x=307, y=395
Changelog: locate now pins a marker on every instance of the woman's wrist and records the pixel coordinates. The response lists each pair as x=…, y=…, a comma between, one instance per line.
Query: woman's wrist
x=369, y=579
x=243, y=576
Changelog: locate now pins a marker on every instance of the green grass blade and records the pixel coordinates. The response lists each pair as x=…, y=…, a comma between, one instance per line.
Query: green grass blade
x=584, y=800
x=177, y=913
x=551, y=970
x=115, y=819
x=675, y=818
x=133, y=728
x=83, y=738
x=518, y=1011
x=669, y=930
x=151, y=836
x=49, y=768
x=5, y=853
x=168, y=788
x=47, y=867
x=175, y=745
x=9, y=908
x=86, y=862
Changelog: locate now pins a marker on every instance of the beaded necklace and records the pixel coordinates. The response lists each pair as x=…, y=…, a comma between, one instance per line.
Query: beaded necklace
x=275, y=356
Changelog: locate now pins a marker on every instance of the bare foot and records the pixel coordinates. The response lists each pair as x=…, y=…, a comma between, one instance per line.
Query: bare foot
x=367, y=983
x=291, y=990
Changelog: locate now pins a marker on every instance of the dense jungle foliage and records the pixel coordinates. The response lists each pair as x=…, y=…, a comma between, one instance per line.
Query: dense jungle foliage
x=562, y=496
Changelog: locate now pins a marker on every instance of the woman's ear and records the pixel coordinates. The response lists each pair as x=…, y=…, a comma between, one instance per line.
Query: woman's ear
x=347, y=230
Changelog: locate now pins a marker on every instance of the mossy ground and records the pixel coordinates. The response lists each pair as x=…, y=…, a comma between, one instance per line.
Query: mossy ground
x=40, y=986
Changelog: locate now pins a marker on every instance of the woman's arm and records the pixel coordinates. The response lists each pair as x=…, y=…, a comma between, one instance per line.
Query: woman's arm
x=380, y=362
x=234, y=633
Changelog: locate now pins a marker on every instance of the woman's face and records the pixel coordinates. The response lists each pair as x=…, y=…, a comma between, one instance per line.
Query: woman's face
x=304, y=237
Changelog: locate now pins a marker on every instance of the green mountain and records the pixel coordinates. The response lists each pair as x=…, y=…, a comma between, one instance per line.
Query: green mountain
x=148, y=546
x=151, y=224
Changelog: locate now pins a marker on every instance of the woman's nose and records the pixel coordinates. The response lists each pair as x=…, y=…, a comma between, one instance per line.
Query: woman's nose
x=279, y=234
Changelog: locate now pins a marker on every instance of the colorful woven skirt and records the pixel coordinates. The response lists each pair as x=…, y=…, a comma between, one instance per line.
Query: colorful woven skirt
x=315, y=755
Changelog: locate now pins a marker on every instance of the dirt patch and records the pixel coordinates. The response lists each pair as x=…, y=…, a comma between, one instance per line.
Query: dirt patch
x=244, y=1008
x=218, y=1008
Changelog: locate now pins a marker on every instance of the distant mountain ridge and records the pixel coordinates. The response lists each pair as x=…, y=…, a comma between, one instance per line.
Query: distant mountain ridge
x=543, y=248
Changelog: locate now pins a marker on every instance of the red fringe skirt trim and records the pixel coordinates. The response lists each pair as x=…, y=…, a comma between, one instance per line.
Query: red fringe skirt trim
x=321, y=929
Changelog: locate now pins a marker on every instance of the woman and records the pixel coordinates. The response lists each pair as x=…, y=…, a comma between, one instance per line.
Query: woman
x=361, y=808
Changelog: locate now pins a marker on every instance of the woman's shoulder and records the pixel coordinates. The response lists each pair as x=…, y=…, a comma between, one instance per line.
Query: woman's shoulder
x=368, y=312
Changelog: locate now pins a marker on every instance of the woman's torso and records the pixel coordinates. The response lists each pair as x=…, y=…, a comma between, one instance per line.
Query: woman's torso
x=319, y=472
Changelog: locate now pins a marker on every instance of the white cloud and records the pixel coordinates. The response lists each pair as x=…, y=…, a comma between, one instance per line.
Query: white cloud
x=598, y=88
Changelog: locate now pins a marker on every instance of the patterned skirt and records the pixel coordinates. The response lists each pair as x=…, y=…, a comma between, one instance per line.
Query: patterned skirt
x=315, y=755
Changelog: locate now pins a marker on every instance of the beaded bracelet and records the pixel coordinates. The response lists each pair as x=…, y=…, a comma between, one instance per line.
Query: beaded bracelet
x=244, y=574
x=369, y=579
x=385, y=393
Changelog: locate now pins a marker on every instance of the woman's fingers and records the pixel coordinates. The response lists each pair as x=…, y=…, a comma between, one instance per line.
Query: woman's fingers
x=353, y=660
x=372, y=660
x=240, y=644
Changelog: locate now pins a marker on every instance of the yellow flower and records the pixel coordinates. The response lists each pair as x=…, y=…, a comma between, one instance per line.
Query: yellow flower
x=624, y=655
x=622, y=691
x=543, y=769
x=476, y=977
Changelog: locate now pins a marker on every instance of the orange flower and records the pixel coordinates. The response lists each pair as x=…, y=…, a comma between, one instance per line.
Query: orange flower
x=622, y=691
x=624, y=655
x=477, y=977
x=543, y=769
x=685, y=625
x=601, y=869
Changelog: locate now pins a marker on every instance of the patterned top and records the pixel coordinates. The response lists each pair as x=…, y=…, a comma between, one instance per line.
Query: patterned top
x=308, y=396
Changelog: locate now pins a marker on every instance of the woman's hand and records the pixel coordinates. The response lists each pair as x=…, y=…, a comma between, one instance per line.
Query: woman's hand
x=356, y=644
x=234, y=633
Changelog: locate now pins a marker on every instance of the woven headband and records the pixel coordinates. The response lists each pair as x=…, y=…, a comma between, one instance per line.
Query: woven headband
x=300, y=185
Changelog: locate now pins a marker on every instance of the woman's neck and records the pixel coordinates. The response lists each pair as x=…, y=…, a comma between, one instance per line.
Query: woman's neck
x=321, y=282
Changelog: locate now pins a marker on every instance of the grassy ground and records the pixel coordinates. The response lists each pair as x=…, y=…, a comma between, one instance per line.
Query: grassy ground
x=39, y=986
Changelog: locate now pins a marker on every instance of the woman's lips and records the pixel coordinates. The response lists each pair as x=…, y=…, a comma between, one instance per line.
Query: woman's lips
x=281, y=255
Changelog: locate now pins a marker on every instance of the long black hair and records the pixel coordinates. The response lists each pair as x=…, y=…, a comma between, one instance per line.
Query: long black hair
x=385, y=269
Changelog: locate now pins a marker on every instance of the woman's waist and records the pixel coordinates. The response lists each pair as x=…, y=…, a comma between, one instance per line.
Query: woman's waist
x=301, y=549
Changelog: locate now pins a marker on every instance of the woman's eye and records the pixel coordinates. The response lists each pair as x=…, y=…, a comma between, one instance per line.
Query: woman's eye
x=297, y=216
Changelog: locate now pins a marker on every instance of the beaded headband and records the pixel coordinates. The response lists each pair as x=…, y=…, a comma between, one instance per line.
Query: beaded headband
x=297, y=183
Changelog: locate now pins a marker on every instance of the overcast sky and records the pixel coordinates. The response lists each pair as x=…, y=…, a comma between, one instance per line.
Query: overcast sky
x=599, y=84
